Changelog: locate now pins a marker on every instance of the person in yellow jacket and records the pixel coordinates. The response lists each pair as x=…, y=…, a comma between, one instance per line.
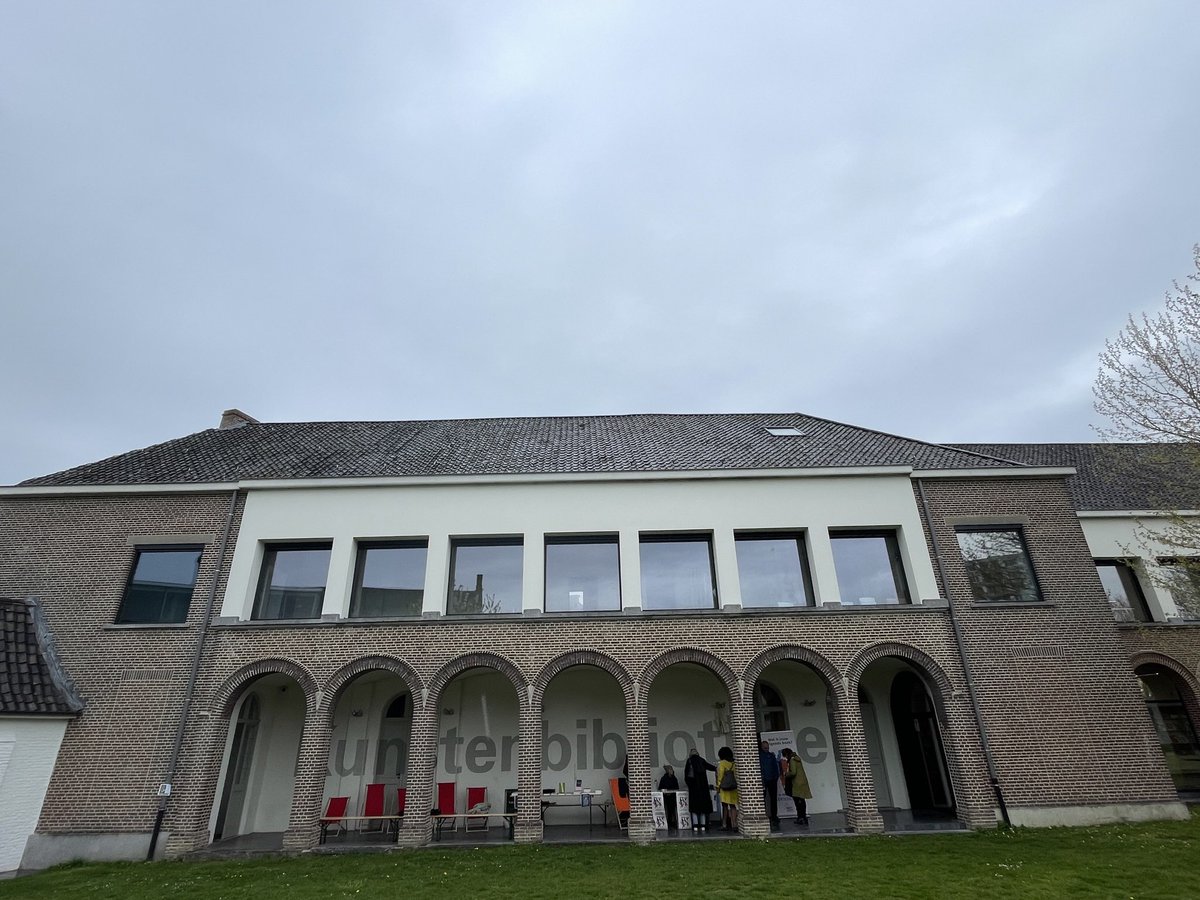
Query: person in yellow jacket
x=795, y=782
x=727, y=796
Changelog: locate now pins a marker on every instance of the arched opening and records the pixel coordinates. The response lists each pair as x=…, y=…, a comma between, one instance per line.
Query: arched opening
x=583, y=753
x=794, y=711
x=370, y=731
x=1168, y=699
x=478, y=753
x=904, y=744
x=258, y=769
x=688, y=708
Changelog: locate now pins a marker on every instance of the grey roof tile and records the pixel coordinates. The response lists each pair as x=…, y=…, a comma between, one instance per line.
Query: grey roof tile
x=31, y=682
x=548, y=445
x=1116, y=476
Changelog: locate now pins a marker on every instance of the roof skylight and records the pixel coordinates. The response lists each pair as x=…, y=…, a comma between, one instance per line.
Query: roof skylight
x=785, y=431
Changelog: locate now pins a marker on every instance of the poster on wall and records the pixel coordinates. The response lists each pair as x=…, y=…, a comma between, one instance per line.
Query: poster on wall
x=777, y=740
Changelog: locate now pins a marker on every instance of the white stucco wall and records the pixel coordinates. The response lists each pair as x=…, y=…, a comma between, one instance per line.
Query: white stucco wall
x=28, y=749
x=1129, y=536
x=533, y=510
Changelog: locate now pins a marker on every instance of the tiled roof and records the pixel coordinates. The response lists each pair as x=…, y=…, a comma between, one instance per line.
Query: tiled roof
x=1116, y=476
x=31, y=682
x=569, y=444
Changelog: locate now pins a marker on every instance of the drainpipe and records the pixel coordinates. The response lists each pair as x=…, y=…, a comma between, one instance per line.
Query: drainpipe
x=190, y=691
x=993, y=776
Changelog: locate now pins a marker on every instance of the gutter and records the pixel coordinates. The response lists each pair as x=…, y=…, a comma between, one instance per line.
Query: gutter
x=164, y=791
x=993, y=773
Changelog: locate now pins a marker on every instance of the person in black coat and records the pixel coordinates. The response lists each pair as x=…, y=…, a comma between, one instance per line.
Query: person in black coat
x=695, y=776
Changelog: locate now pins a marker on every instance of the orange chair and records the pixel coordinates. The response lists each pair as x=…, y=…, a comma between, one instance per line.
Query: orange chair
x=373, y=805
x=620, y=804
x=476, y=797
x=445, y=799
x=335, y=811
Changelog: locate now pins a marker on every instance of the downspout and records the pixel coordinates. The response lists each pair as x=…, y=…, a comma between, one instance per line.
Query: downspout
x=993, y=776
x=190, y=690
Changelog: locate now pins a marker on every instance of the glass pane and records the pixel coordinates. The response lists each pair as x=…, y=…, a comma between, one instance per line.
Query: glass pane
x=865, y=572
x=485, y=578
x=1121, y=589
x=997, y=566
x=582, y=577
x=391, y=582
x=161, y=587
x=677, y=575
x=771, y=572
x=293, y=583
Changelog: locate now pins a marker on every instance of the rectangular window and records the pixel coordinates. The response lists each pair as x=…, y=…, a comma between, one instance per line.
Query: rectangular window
x=1183, y=580
x=160, y=586
x=869, y=569
x=1123, y=590
x=583, y=574
x=998, y=565
x=677, y=571
x=389, y=579
x=292, y=582
x=485, y=576
x=773, y=569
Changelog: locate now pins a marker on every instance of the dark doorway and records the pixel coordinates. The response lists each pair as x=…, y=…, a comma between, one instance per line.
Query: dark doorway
x=920, y=743
x=241, y=759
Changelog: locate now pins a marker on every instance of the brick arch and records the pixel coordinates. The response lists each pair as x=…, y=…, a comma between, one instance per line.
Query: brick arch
x=796, y=653
x=594, y=658
x=340, y=680
x=481, y=659
x=1185, y=675
x=919, y=658
x=227, y=694
x=713, y=663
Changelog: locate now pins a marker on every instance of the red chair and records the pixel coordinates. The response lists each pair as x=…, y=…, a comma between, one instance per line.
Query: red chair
x=401, y=796
x=476, y=802
x=445, y=799
x=373, y=805
x=335, y=811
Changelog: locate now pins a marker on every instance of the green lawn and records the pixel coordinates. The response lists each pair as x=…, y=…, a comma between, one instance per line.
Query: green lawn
x=1156, y=860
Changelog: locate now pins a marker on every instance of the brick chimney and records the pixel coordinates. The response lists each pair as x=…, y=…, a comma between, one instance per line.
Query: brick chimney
x=235, y=418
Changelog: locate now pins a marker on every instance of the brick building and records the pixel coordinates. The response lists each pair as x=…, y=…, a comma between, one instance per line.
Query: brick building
x=266, y=615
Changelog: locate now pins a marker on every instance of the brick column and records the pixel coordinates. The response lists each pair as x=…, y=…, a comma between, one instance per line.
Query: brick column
x=308, y=787
x=637, y=744
x=191, y=806
x=862, y=812
x=417, y=828
x=752, y=808
x=528, y=827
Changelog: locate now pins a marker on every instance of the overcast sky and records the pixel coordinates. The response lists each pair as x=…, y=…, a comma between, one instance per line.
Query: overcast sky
x=923, y=218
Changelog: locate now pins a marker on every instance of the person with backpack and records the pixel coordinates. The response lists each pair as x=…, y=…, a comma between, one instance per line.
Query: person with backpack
x=727, y=789
x=795, y=782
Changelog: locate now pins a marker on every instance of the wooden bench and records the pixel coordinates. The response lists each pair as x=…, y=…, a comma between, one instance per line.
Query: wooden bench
x=391, y=824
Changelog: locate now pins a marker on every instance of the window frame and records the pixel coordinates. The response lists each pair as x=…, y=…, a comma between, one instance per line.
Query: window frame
x=679, y=537
x=129, y=580
x=361, y=548
x=1019, y=531
x=1128, y=576
x=891, y=538
x=599, y=538
x=503, y=540
x=799, y=536
x=273, y=548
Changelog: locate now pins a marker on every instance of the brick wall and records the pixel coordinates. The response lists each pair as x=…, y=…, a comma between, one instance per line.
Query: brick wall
x=1061, y=706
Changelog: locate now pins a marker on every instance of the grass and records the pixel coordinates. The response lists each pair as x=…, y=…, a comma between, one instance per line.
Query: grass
x=1152, y=860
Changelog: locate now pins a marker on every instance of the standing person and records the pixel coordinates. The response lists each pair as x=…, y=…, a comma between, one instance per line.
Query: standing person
x=769, y=764
x=796, y=784
x=669, y=784
x=727, y=788
x=695, y=776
